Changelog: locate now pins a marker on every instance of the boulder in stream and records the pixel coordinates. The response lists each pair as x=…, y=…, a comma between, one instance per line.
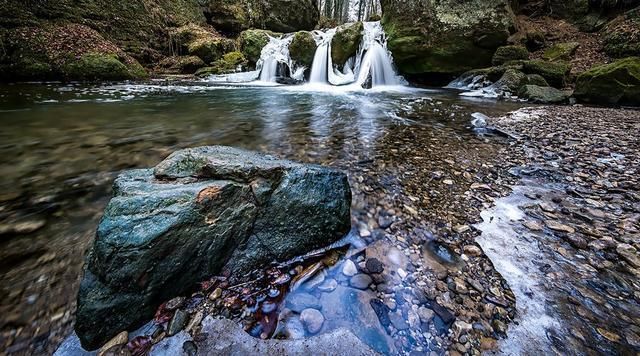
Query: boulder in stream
x=199, y=212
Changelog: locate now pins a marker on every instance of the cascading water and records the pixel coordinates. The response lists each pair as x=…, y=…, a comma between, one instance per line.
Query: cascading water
x=373, y=64
x=275, y=61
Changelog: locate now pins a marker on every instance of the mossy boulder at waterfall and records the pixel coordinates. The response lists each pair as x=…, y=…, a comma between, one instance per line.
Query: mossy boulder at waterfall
x=345, y=42
x=617, y=83
x=201, y=212
x=447, y=37
x=251, y=42
x=303, y=48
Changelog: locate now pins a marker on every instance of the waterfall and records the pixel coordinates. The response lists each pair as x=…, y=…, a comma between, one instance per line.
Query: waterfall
x=372, y=65
x=275, y=61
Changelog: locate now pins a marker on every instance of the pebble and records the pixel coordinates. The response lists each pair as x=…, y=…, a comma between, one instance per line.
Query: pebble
x=360, y=281
x=425, y=314
x=120, y=339
x=397, y=320
x=177, y=323
x=312, y=320
x=401, y=273
x=557, y=226
x=215, y=294
x=329, y=285
x=533, y=225
x=190, y=348
x=385, y=222
x=472, y=250
x=629, y=253
x=301, y=301
x=373, y=265
x=349, y=268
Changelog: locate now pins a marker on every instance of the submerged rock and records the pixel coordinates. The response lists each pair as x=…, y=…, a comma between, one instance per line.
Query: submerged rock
x=199, y=211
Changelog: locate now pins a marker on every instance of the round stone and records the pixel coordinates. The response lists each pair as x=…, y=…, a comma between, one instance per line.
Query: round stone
x=312, y=319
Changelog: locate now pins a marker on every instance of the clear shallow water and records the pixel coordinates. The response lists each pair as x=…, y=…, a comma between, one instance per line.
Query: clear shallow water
x=61, y=146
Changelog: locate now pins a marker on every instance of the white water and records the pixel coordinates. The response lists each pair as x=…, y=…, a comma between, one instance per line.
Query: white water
x=275, y=54
x=372, y=60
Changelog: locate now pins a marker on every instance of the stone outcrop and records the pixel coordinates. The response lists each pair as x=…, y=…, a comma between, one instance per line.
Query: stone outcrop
x=617, y=83
x=275, y=15
x=303, y=48
x=445, y=38
x=345, y=42
x=200, y=212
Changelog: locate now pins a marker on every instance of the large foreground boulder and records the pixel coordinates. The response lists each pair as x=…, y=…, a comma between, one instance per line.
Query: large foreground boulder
x=448, y=37
x=617, y=83
x=201, y=212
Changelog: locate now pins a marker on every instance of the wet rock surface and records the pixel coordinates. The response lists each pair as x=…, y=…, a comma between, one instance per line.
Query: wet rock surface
x=261, y=209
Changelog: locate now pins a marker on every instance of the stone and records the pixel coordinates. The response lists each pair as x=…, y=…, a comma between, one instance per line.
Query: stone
x=190, y=349
x=617, y=83
x=544, y=94
x=557, y=226
x=287, y=16
x=160, y=219
x=629, y=254
x=446, y=316
x=303, y=48
x=360, y=281
x=561, y=51
x=312, y=319
x=373, y=265
x=398, y=321
x=506, y=54
x=621, y=37
x=345, y=42
x=445, y=37
x=251, y=42
x=532, y=225
x=329, y=285
x=181, y=64
x=231, y=339
x=117, y=340
x=298, y=302
x=177, y=323
x=472, y=250
x=425, y=314
x=555, y=73
x=349, y=268
x=201, y=42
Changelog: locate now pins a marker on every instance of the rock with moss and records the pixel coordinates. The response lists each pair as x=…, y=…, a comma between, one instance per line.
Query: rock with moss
x=622, y=35
x=537, y=79
x=181, y=64
x=544, y=94
x=251, y=42
x=198, y=213
x=229, y=63
x=203, y=42
x=617, y=83
x=345, y=42
x=303, y=48
x=555, y=73
x=506, y=54
x=275, y=15
x=561, y=51
x=445, y=37
x=65, y=52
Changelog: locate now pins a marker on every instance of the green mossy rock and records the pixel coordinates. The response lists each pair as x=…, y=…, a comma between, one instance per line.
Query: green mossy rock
x=345, y=42
x=555, y=73
x=622, y=35
x=181, y=64
x=544, y=94
x=99, y=66
x=537, y=79
x=445, y=37
x=200, y=41
x=509, y=53
x=617, y=83
x=251, y=42
x=303, y=48
x=230, y=63
x=561, y=51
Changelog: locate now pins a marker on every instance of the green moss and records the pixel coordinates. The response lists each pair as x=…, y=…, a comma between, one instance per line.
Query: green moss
x=611, y=84
x=622, y=36
x=544, y=94
x=509, y=53
x=181, y=64
x=97, y=66
x=303, y=48
x=555, y=73
x=229, y=63
x=561, y=51
x=537, y=79
x=345, y=42
x=251, y=42
x=210, y=49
